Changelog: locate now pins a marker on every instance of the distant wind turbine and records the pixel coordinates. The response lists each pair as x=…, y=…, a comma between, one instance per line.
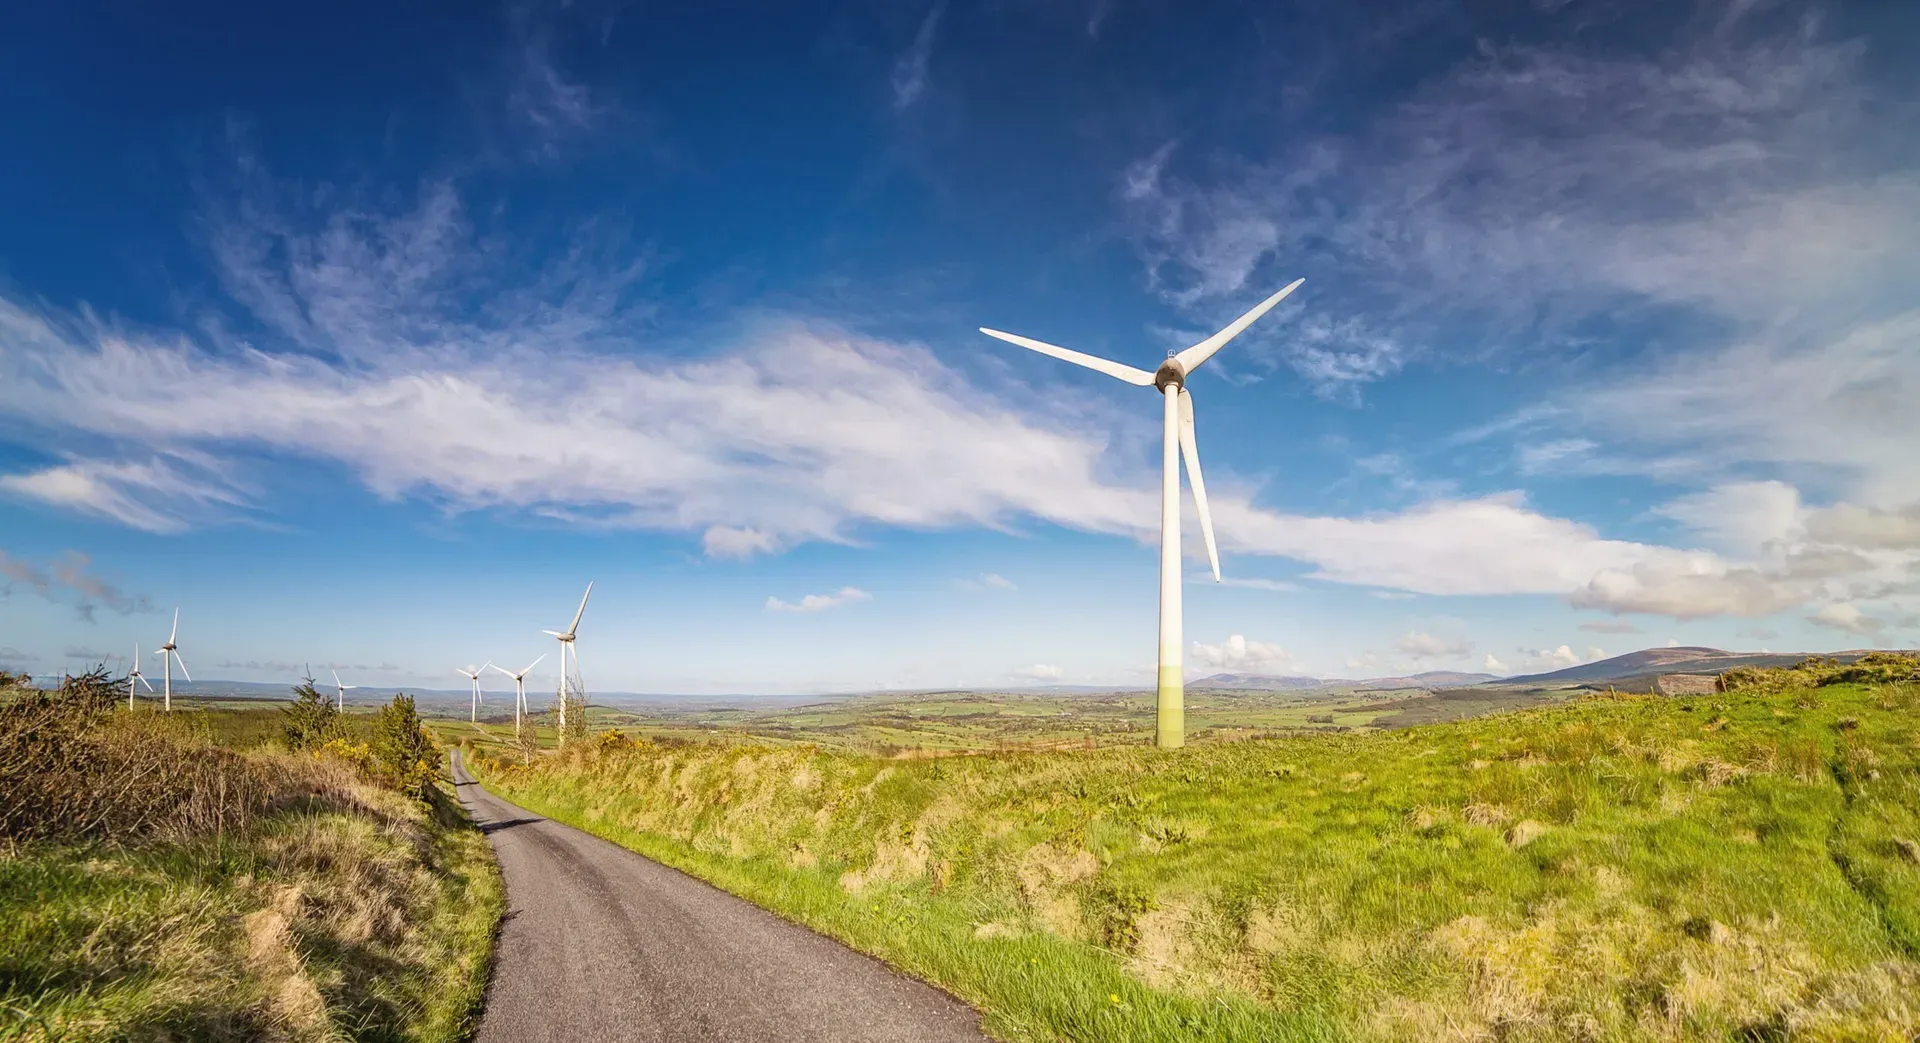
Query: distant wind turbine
x=472, y=674
x=134, y=674
x=567, y=649
x=1178, y=441
x=340, y=691
x=169, y=654
x=519, y=689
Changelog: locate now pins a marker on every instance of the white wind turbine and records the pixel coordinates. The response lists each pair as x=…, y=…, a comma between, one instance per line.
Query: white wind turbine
x=472, y=673
x=340, y=691
x=134, y=674
x=519, y=689
x=567, y=649
x=169, y=654
x=1171, y=381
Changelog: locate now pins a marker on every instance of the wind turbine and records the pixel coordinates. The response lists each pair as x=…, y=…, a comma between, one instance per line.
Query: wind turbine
x=566, y=648
x=1171, y=381
x=472, y=673
x=169, y=654
x=519, y=689
x=340, y=691
x=134, y=674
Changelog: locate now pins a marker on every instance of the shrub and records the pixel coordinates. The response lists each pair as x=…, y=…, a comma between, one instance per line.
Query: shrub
x=312, y=720
x=405, y=756
x=68, y=770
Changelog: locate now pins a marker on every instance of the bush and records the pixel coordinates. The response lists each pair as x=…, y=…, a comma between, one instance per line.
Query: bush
x=68, y=770
x=405, y=756
x=312, y=719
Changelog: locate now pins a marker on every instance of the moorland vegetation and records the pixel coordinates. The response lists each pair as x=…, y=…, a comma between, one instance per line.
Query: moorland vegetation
x=1740, y=865
x=232, y=874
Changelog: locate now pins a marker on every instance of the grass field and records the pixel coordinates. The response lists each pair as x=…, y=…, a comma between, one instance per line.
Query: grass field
x=952, y=722
x=299, y=901
x=1743, y=866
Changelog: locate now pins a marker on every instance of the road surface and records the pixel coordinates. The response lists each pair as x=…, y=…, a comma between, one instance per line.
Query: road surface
x=600, y=944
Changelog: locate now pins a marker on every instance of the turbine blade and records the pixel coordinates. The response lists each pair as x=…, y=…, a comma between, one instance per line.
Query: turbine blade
x=1191, y=358
x=575, y=625
x=502, y=669
x=336, y=678
x=176, y=626
x=531, y=665
x=1190, y=451
x=183, y=665
x=553, y=633
x=1112, y=369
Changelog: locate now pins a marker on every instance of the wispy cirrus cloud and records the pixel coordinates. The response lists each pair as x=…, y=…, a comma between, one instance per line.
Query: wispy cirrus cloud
x=550, y=400
x=909, y=79
x=1535, y=196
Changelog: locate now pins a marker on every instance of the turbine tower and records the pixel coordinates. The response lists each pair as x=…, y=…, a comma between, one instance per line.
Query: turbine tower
x=519, y=690
x=472, y=673
x=1177, y=428
x=169, y=654
x=134, y=674
x=570, y=678
x=340, y=691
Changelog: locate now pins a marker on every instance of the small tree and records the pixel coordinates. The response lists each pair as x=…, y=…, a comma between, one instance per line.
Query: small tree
x=405, y=753
x=311, y=720
x=94, y=690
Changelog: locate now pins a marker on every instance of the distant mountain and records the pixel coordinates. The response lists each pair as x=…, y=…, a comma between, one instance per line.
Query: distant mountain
x=1632, y=669
x=1286, y=683
x=1424, y=679
x=1259, y=682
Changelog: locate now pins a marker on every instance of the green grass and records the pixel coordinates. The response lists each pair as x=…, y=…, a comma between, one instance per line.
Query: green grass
x=1738, y=866
x=960, y=722
x=346, y=911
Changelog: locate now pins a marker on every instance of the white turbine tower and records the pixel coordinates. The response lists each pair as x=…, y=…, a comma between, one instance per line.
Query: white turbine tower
x=169, y=654
x=567, y=649
x=519, y=689
x=472, y=673
x=340, y=691
x=134, y=674
x=1171, y=381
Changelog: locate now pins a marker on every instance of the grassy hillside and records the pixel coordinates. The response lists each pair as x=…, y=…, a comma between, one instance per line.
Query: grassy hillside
x=157, y=884
x=1740, y=866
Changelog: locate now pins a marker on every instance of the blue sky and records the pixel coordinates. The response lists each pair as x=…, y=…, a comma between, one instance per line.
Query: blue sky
x=368, y=336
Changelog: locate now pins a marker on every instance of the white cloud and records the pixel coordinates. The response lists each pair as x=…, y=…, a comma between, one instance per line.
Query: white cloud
x=1041, y=672
x=1494, y=666
x=1419, y=644
x=910, y=69
x=546, y=401
x=1238, y=653
x=819, y=602
x=1548, y=659
x=1609, y=626
x=1595, y=653
x=1278, y=586
x=1843, y=616
x=721, y=541
x=996, y=581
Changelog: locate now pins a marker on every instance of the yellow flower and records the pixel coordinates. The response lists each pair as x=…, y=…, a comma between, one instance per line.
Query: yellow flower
x=1114, y=996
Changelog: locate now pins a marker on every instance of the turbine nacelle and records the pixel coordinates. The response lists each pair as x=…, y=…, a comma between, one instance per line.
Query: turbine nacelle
x=1171, y=373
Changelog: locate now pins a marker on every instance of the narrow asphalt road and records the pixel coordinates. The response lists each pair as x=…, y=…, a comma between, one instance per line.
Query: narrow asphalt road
x=602, y=944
